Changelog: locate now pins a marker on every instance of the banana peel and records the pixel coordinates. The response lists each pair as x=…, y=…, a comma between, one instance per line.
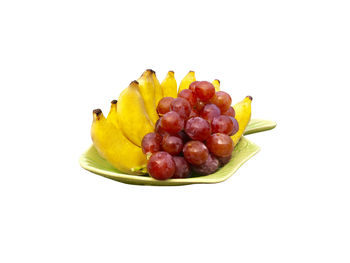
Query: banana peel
x=148, y=90
x=158, y=88
x=216, y=84
x=132, y=116
x=112, y=115
x=243, y=114
x=112, y=145
x=187, y=80
x=169, y=85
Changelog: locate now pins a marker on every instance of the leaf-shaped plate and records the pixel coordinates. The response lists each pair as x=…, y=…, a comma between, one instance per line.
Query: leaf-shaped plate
x=244, y=150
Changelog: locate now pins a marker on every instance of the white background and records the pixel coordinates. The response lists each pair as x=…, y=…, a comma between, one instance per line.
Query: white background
x=61, y=59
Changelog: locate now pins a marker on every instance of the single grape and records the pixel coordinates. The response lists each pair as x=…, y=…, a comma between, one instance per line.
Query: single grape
x=208, y=167
x=194, y=113
x=210, y=111
x=222, y=100
x=193, y=85
x=195, y=152
x=188, y=95
x=230, y=112
x=222, y=124
x=159, y=129
x=198, y=129
x=235, y=126
x=161, y=166
x=224, y=160
x=220, y=144
x=171, y=122
x=182, y=168
x=164, y=105
x=204, y=90
x=181, y=106
x=199, y=106
x=151, y=143
x=172, y=145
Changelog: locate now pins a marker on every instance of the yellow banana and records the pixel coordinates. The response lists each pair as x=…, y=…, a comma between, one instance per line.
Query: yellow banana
x=147, y=90
x=169, y=85
x=243, y=113
x=158, y=89
x=112, y=115
x=216, y=84
x=187, y=80
x=131, y=114
x=112, y=145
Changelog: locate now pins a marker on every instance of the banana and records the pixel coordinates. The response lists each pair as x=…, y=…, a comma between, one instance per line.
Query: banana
x=169, y=85
x=112, y=145
x=243, y=113
x=216, y=84
x=131, y=114
x=187, y=80
x=112, y=115
x=158, y=89
x=147, y=90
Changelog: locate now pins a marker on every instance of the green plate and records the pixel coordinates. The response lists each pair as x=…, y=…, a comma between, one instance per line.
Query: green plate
x=258, y=125
x=244, y=150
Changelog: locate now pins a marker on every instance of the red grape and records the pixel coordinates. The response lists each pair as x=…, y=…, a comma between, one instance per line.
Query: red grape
x=164, y=105
x=210, y=111
x=161, y=166
x=171, y=122
x=220, y=144
x=189, y=96
x=199, y=106
x=224, y=160
x=222, y=124
x=204, y=90
x=159, y=129
x=222, y=100
x=182, y=168
x=172, y=145
x=151, y=142
x=195, y=152
x=181, y=106
x=235, y=126
x=208, y=167
x=230, y=112
x=193, y=85
x=198, y=129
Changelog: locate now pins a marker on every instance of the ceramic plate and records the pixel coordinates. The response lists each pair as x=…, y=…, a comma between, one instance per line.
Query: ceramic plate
x=244, y=150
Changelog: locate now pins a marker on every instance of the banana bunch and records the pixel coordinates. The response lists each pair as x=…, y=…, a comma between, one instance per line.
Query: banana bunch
x=118, y=137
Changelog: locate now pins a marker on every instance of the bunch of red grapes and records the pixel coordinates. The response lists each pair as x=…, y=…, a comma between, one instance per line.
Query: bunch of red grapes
x=192, y=133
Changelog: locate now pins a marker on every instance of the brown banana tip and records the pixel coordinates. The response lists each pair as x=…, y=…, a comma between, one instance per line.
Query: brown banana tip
x=151, y=70
x=217, y=80
x=114, y=102
x=97, y=112
x=171, y=71
x=134, y=82
x=191, y=71
x=250, y=97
